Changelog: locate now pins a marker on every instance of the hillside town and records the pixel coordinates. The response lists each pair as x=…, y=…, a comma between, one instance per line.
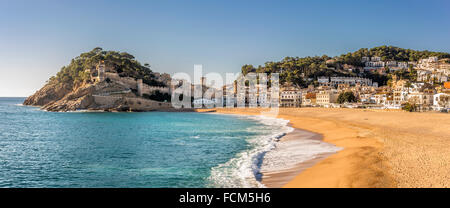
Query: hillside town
x=430, y=91
x=110, y=85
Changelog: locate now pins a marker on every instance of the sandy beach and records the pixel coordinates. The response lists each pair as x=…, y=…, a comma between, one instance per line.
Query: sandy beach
x=379, y=148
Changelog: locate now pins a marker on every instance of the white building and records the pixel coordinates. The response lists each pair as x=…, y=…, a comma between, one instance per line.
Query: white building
x=375, y=58
x=323, y=80
x=374, y=64
x=431, y=76
x=326, y=97
x=430, y=63
x=402, y=65
x=204, y=102
x=290, y=97
x=441, y=101
x=350, y=81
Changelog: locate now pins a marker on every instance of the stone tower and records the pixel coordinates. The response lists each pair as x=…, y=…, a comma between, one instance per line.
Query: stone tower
x=140, y=85
x=101, y=71
x=203, y=81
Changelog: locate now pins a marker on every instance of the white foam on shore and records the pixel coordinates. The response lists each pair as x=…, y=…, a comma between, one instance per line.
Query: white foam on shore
x=289, y=153
x=244, y=169
x=267, y=154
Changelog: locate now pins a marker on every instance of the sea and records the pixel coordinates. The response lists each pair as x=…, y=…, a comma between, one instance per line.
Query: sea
x=145, y=149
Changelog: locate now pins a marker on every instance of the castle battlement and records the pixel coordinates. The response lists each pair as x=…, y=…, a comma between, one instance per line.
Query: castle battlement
x=146, y=89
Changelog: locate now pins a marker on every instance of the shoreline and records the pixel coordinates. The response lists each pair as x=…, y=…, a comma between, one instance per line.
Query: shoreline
x=381, y=148
x=333, y=169
x=281, y=177
x=112, y=111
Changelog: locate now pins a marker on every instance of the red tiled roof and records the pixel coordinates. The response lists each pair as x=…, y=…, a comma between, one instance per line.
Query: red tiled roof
x=447, y=85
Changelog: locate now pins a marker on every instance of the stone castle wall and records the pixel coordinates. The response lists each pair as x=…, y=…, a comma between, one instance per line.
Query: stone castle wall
x=139, y=104
x=105, y=100
x=144, y=104
x=134, y=84
x=150, y=89
x=146, y=89
x=127, y=81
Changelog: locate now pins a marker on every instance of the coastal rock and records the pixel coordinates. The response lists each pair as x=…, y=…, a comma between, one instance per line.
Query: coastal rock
x=105, y=81
x=49, y=93
x=100, y=96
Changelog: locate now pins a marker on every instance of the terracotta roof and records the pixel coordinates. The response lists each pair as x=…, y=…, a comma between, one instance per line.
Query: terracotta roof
x=447, y=85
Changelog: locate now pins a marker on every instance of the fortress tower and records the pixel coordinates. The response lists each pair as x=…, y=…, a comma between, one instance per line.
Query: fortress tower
x=140, y=85
x=203, y=81
x=101, y=71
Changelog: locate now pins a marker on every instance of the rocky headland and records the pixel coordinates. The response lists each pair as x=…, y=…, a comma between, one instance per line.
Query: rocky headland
x=104, y=81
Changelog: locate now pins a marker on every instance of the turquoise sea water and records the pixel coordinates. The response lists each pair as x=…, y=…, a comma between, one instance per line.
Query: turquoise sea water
x=154, y=149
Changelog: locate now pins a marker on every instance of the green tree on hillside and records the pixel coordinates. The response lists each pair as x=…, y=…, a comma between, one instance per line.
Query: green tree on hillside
x=346, y=97
x=124, y=63
x=301, y=70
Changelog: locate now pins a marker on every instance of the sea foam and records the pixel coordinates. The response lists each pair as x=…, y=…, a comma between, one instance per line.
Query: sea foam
x=266, y=153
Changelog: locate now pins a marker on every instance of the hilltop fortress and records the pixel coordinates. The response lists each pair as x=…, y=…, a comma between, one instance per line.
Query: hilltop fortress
x=105, y=90
x=103, y=73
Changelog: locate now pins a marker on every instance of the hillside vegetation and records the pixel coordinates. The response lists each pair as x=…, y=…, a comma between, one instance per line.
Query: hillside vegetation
x=302, y=71
x=123, y=63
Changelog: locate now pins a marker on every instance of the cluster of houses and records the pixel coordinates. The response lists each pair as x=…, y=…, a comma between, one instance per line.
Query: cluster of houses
x=431, y=92
x=375, y=63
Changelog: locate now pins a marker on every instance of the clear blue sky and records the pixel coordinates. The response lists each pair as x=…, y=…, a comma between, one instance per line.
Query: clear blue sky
x=37, y=38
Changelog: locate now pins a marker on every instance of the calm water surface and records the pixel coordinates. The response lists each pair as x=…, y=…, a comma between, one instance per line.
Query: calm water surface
x=154, y=149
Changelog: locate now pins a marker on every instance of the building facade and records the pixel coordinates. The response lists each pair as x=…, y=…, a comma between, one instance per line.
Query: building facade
x=290, y=97
x=326, y=97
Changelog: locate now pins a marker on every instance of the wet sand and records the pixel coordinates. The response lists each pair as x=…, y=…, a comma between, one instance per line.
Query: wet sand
x=380, y=148
x=279, y=178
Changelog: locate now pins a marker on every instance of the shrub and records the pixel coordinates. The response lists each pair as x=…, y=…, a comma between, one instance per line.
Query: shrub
x=348, y=97
x=409, y=107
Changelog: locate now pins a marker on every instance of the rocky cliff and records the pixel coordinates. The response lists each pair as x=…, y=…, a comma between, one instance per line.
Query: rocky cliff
x=100, y=80
x=102, y=96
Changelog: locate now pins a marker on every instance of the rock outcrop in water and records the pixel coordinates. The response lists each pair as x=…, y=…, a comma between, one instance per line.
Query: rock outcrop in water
x=106, y=81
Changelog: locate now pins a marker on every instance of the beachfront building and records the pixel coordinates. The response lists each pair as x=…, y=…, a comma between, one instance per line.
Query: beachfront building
x=441, y=101
x=422, y=99
x=229, y=95
x=326, y=97
x=384, y=99
x=367, y=98
x=399, y=91
x=400, y=96
x=308, y=98
x=204, y=101
x=290, y=97
x=229, y=100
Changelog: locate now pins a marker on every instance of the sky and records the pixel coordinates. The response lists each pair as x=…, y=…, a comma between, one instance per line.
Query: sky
x=38, y=37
